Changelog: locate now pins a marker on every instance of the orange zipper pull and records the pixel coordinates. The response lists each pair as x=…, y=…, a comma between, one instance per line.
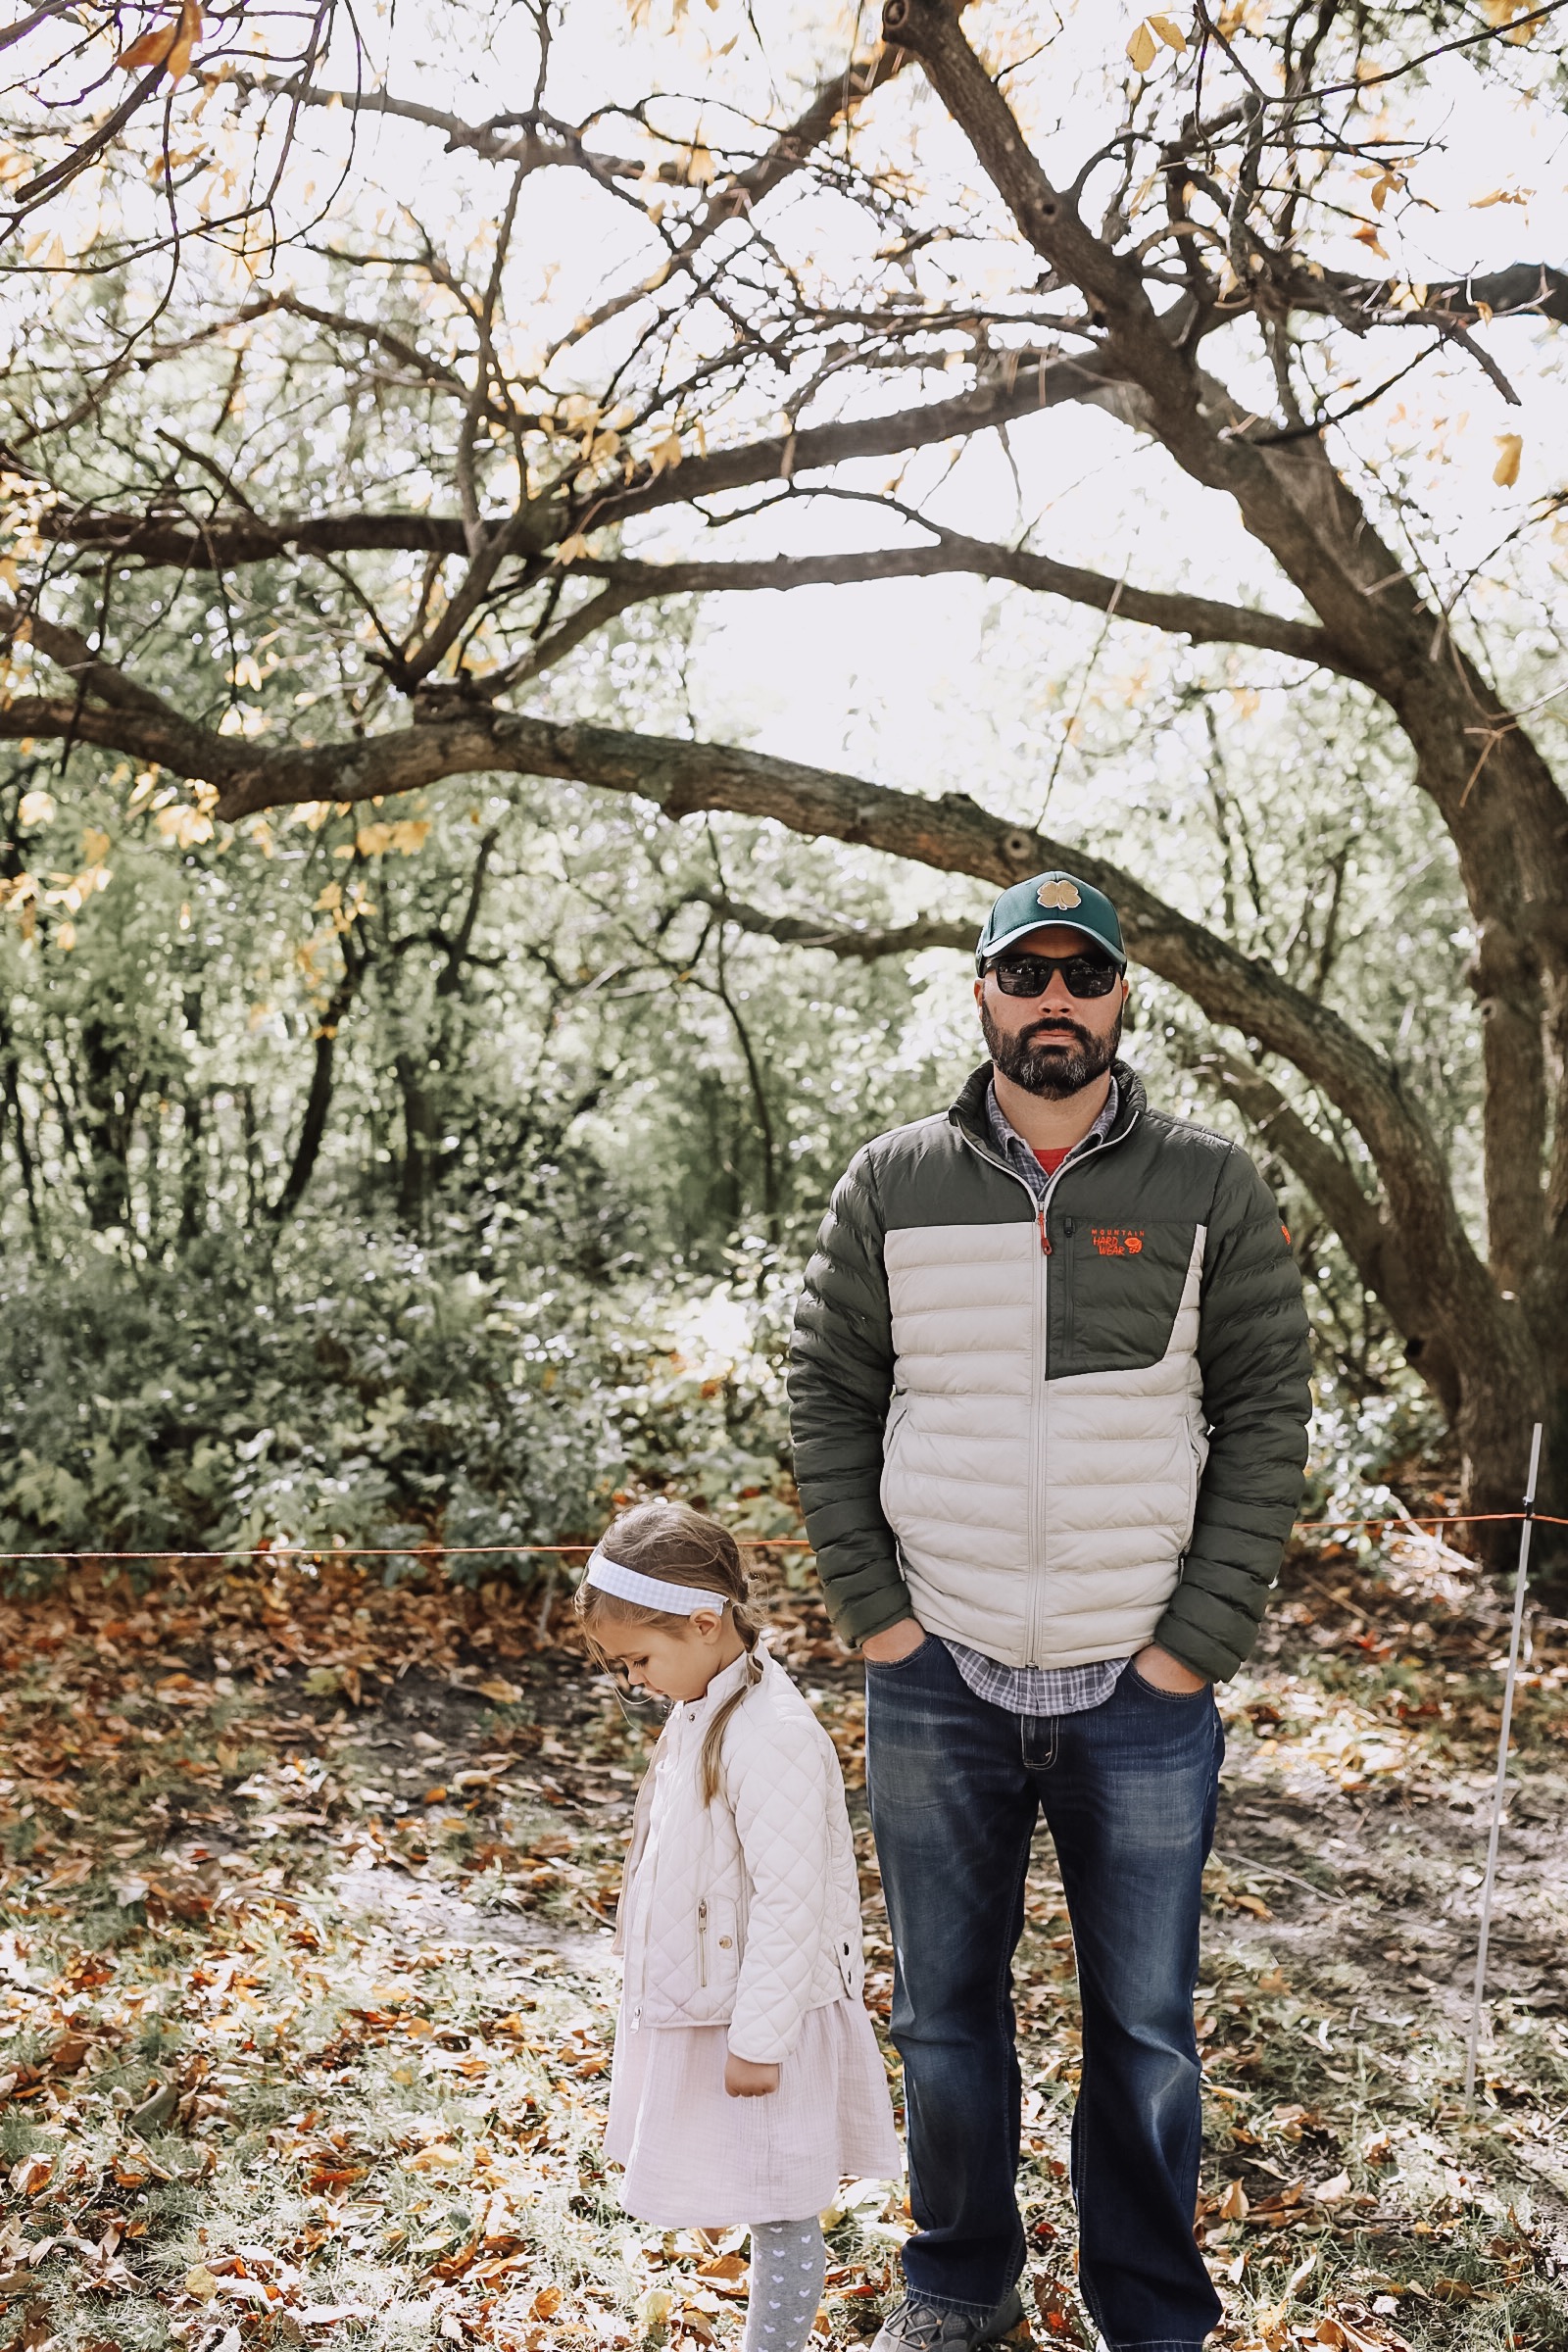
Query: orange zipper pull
x=1044, y=1238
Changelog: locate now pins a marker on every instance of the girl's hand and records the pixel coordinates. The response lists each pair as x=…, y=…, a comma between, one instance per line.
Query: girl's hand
x=745, y=2080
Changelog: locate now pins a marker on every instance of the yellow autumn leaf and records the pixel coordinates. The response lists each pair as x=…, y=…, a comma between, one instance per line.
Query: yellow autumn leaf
x=1169, y=32
x=200, y=2282
x=183, y=826
x=665, y=453
x=1141, y=48
x=1510, y=449
x=654, y=2308
x=187, y=34
x=1233, y=2206
x=151, y=48
x=1368, y=235
x=573, y=550
x=167, y=45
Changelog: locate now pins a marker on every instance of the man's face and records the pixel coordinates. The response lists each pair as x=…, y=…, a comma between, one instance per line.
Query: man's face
x=1057, y=1043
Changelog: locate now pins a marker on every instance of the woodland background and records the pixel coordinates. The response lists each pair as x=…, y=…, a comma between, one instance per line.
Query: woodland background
x=437, y=994
x=555, y=559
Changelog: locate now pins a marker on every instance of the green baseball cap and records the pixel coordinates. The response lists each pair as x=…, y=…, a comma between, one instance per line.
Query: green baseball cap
x=1056, y=898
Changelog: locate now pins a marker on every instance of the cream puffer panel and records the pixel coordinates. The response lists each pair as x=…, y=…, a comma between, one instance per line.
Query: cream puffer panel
x=1043, y=1522
x=747, y=1911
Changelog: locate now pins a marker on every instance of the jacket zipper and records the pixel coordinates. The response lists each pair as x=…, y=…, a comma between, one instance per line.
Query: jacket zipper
x=701, y=1941
x=1038, y=1452
x=1069, y=1318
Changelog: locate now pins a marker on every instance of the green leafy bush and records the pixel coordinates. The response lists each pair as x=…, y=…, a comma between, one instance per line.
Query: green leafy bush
x=345, y=1389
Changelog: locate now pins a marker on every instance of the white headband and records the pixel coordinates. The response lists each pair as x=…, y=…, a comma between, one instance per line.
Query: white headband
x=649, y=1592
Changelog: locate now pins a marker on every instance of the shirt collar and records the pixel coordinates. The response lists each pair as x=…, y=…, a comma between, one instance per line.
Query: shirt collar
x=1006, y=1138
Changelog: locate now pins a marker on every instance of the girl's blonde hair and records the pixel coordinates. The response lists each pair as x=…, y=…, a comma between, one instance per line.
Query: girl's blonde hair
x=677, y=1546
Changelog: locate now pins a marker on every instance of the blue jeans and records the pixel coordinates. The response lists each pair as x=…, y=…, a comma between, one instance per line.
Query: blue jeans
x=1128, y=1791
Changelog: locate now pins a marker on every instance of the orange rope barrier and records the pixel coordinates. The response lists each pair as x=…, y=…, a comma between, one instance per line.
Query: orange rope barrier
x=359, y=1552
x=285, y=1552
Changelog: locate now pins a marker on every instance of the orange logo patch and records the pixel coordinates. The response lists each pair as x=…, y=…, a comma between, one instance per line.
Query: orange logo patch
x=1115, y=1241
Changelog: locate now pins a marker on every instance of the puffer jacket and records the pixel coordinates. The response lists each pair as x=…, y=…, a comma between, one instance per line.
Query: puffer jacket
x=747, y=1911
x=1052, y=1434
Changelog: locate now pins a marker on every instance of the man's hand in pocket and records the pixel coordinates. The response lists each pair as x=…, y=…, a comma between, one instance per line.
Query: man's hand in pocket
x=900, y=1640
x=1165, y=1673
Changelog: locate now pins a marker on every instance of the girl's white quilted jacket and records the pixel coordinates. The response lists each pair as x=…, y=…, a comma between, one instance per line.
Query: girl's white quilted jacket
x=747, y=1911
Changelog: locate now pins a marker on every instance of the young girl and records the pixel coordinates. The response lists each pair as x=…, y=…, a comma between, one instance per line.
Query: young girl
x=746, y=2081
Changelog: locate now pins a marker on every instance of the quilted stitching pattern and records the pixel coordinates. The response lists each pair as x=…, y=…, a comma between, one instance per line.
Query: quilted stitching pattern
x=1042, y=1522
x=746, y=1911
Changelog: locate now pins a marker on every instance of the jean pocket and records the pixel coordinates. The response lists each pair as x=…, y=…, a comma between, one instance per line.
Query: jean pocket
x=922, y=1650
x=1173, y=1698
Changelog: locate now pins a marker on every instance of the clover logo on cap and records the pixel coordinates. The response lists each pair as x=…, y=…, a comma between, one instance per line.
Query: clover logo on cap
x=1059, y=895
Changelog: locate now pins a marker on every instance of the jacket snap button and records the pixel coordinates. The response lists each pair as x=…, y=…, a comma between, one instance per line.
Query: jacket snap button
x=725, y=1942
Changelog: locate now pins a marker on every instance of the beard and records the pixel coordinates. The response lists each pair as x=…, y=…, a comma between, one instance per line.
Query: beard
x=1053, y=1056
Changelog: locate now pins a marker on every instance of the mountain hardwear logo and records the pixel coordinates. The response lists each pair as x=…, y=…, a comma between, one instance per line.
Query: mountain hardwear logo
x=1059, y=894
x=1117, y=1241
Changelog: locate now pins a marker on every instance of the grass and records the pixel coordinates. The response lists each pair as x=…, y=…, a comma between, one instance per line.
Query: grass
x=306, y=2005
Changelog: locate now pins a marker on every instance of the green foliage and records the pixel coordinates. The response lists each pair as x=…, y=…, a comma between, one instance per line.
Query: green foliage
x=348, y=1389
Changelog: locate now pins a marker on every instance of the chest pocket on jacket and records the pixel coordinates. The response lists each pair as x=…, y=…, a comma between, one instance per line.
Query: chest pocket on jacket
x=1119, y=1307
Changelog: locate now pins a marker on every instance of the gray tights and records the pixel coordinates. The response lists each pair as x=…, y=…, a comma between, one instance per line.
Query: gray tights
x=787, y=2267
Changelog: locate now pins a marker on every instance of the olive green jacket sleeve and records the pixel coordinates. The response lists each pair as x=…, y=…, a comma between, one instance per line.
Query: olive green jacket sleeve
x=1253, y=1356
x=841, y=1382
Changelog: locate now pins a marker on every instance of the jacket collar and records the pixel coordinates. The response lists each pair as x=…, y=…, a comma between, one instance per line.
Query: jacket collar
x=728, y=1680
x=968, y=1110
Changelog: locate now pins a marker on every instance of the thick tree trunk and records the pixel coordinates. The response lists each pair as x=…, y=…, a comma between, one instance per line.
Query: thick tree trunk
x=1498, y=1405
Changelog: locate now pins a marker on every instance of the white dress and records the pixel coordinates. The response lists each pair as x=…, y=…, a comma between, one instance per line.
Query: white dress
x=743, y=1916
x=697, y=2159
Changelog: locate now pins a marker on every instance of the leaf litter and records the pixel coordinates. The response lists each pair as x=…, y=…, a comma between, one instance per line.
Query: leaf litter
x=306, y=2002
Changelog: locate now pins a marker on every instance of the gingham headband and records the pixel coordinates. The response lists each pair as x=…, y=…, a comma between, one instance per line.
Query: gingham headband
x=649, y=1592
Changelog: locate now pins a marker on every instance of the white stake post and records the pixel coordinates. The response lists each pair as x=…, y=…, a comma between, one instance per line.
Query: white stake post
x=1501, y=1792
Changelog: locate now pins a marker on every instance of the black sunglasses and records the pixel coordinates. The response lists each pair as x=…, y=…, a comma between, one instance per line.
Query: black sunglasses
x=1031, y=975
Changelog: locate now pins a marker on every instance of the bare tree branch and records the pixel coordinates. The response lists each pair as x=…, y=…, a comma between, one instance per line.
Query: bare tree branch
x=214, y=545
x=1201, y=619
x=952, y=834
x=858, y=946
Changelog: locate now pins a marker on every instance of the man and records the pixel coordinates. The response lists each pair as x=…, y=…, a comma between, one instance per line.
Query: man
x=1050, y=1395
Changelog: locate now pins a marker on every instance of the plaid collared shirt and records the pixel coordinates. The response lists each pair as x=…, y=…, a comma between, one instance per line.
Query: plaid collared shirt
x=1040, y=1689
